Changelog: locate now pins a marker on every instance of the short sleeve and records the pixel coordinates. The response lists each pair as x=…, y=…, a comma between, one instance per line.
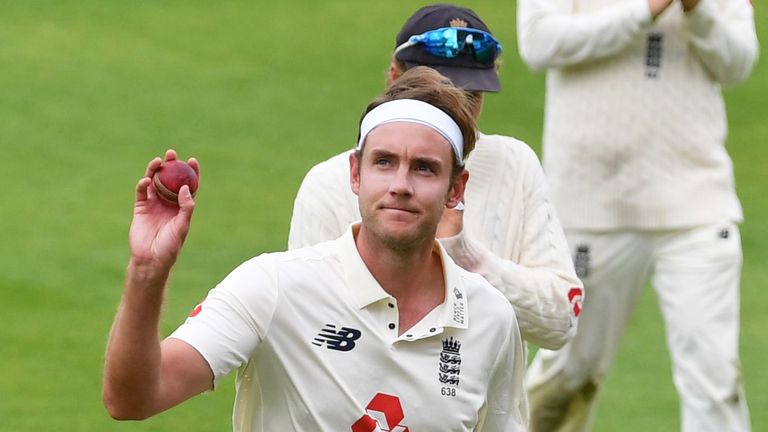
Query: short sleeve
x=234, y=319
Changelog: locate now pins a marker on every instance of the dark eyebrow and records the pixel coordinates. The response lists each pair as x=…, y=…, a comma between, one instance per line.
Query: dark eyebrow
x=429, y=161
x=379, y=153
x=435, y=163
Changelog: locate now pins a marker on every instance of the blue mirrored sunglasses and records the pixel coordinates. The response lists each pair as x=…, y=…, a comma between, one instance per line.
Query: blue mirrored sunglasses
x=449, y=42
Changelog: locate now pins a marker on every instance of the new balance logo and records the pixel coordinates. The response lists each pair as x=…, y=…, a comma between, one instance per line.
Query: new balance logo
x=342, y=339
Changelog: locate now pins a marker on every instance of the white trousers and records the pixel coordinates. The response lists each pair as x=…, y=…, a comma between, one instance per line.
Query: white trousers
x=695, y=273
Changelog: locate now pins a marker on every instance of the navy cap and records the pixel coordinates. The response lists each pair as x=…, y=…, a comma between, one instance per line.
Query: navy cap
x=463, y=70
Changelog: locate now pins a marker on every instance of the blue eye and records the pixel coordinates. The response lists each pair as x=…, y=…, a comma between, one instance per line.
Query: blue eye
x=424, y=168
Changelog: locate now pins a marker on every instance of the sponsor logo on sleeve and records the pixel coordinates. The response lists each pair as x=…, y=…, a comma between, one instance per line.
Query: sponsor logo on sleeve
x=196, y=310
x=574, y=296
x=199, y=308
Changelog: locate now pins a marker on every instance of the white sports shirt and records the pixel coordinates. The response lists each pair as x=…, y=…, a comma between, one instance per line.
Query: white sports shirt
x=635, y=124
x=511, y=234
x=317, y=342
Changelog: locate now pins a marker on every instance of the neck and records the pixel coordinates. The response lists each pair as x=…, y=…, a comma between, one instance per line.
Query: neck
x=397, y=268
x=413, y=276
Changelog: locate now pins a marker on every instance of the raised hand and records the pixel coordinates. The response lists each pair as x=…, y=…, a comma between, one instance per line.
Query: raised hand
x=159, y=228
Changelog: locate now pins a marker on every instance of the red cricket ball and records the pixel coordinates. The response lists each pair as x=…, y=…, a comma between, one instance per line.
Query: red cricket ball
x=171, y=176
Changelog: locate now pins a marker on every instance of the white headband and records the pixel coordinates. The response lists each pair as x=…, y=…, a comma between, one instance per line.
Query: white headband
x=414, y=111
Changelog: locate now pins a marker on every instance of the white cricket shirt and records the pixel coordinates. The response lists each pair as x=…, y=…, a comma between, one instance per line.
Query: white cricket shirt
x=511, y=235
x=317, y=342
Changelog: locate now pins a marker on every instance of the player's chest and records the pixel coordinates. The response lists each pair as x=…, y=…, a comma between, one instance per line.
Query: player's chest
x=428, y=376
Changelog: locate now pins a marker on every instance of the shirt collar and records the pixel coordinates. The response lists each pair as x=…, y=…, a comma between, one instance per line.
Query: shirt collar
x=363, y=287
x=365, y=290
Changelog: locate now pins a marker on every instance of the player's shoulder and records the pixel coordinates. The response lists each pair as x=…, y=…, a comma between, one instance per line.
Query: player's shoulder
x=319, y=252
x=285, y=271
x=326, y=183
x=333, y=166
x=501, y=160
x=483, y=295
x=276, y=260
x=505, y=146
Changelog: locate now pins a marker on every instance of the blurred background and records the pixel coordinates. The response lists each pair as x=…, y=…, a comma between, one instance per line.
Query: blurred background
x=258, y=92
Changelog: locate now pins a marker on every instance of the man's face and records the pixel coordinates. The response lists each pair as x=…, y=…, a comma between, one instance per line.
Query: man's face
x=404, y=183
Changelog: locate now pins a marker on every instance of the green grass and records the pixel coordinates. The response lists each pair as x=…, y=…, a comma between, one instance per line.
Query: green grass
x=259, y=92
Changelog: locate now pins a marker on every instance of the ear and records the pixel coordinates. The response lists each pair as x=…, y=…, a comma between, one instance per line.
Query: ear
x=456, y=192
x=354, y=173
x=393, y=73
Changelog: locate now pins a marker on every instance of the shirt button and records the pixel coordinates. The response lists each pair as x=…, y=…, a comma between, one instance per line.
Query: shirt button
x=432, y=330
x=409, y=336
x=391, y=326
x=391, y=305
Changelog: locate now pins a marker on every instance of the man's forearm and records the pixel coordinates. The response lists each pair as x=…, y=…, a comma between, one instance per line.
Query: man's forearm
x=723, y=38
x=550, y=37
x=132, y=369
x=539, y=295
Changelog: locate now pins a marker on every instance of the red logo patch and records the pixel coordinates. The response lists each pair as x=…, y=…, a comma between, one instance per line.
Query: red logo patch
x=196, y=310
x=383, y=414
x=574, y=296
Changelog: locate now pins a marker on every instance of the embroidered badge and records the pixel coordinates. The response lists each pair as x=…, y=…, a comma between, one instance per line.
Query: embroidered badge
x=458, y=22
x=724, y=233
x=653, y=55
x=581, y=261
x=450, y=366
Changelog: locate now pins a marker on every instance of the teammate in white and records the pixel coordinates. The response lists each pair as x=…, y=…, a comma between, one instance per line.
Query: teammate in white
x=508, y=232
x=634, y=136
x=376, y=331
